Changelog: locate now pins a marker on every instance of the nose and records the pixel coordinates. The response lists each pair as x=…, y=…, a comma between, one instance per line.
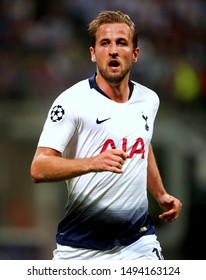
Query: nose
x=113, y=50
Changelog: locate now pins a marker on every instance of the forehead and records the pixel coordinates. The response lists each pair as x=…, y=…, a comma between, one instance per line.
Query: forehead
x=114, y=30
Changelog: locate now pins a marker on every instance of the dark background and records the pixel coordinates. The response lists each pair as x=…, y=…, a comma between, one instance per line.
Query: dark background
x=44, y=49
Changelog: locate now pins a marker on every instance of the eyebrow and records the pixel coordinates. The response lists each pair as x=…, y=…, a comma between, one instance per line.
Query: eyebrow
x=117, y=39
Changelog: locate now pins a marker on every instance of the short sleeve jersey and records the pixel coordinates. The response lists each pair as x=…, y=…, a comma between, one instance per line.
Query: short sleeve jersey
x=104, y=209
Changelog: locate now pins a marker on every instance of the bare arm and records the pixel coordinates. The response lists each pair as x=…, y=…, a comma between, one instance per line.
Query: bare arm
x=49, y=166
x=171, y=205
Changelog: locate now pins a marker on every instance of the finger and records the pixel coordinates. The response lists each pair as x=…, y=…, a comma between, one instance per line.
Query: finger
x=169, y=217
x=120, y=153
x=118, y=161
x=116, y=170
x=124, y=156
x=118, y=164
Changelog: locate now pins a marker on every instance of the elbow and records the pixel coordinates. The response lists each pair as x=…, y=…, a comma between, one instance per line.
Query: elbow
x=36, y=175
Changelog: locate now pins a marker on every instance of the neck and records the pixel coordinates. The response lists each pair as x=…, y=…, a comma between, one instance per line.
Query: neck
x=118, y=92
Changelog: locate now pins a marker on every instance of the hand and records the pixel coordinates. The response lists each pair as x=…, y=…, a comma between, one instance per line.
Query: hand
x=172, y=207
x=111, y=160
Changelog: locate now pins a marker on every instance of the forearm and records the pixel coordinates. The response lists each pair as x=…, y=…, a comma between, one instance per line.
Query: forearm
x=51, y=168
x=154, y=182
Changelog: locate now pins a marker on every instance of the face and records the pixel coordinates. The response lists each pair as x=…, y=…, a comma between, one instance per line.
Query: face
x=114, y=52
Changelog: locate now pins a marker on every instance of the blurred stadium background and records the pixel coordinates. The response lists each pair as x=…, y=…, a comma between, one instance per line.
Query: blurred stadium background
x=44, y=49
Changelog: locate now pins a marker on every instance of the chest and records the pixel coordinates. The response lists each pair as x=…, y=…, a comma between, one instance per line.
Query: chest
x=118, y=122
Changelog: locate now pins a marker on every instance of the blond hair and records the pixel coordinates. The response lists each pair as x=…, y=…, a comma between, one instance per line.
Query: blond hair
x=111, y=17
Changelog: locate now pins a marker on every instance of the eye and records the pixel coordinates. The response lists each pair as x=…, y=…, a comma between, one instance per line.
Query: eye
x=104, y=43
x=122, y=42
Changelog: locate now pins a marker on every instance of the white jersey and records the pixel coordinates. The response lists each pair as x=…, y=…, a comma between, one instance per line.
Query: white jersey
x=104, y=209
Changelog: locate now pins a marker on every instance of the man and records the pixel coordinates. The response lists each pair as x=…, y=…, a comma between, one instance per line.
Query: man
x=97, y=137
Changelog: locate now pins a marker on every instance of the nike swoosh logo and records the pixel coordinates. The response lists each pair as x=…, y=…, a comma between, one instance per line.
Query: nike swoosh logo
x=101, y=121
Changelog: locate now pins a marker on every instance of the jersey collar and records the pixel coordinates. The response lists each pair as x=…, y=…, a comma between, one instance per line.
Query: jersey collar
x=93, y=84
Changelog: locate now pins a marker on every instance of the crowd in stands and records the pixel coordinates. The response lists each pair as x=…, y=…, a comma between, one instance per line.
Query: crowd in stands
x=44, y=46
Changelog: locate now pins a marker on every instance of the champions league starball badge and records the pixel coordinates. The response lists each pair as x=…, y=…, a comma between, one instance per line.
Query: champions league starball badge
x=57, y=113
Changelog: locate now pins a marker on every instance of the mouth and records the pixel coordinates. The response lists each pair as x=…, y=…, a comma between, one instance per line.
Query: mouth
x=114, y=63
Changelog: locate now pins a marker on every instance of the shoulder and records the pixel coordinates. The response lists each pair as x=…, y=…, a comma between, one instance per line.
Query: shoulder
x=77, y=89
x=145, y=92
x=72, y=100
x=74, y=94
x=144, y=89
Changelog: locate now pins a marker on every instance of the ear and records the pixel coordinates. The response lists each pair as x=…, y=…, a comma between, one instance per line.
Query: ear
x=135, y=55
x=92, y=52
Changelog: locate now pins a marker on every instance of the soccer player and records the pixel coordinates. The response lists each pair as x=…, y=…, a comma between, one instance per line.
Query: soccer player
x=97, y=137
